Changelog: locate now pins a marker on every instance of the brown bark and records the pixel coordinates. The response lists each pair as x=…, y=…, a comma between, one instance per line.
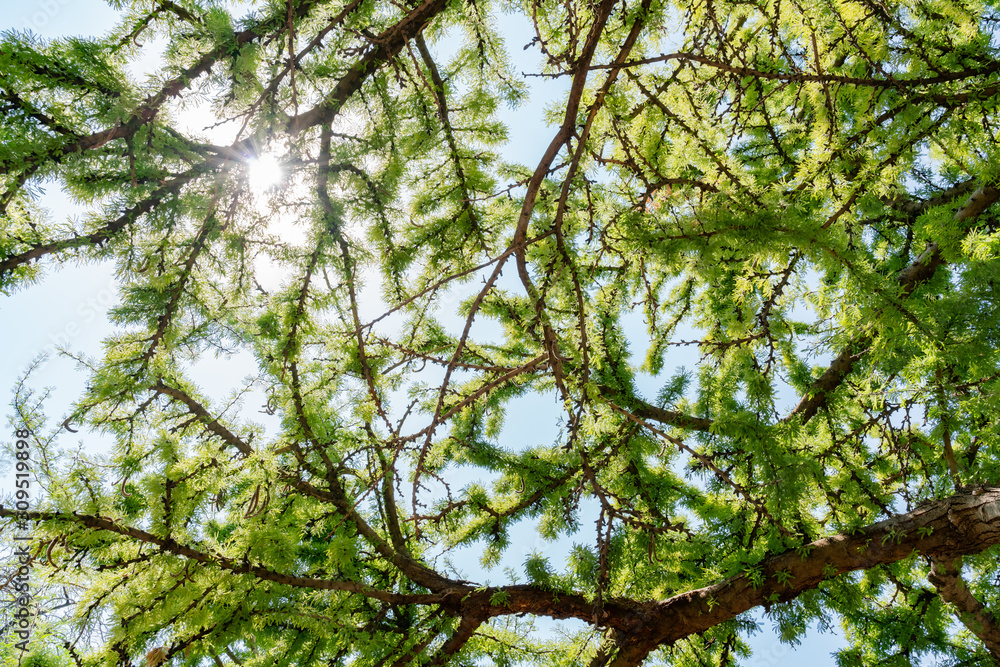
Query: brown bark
x=962, y=524
x=946, y=575
x=946, y=529
x=465, y=631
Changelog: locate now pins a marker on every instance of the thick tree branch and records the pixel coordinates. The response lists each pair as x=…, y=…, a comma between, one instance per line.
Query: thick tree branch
x=946, y=529
x=914, y=207
x=946, y=575
x=465, y=631
x=962, y=524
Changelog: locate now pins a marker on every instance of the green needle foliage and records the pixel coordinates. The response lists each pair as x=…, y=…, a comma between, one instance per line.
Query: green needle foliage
x=792, y=198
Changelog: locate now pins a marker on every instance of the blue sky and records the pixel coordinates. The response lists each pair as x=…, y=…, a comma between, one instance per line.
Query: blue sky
x=68, y=307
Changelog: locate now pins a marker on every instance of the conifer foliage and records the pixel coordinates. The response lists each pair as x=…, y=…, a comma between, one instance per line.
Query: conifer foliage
x=792, y=199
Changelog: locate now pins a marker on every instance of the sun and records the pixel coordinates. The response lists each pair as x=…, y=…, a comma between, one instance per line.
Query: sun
x=264, y=172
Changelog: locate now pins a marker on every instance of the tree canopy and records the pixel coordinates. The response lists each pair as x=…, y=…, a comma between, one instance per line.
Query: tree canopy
x=748, y=283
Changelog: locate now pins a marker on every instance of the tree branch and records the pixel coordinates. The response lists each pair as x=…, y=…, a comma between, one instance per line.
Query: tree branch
x=908, y=279
x=105, y=233
x=465, y=631
x=211, y=423
x=171, y=546
x=959, y=525
x=654, y=413
x=387, y=45
x=962, y=524
x=946, y=575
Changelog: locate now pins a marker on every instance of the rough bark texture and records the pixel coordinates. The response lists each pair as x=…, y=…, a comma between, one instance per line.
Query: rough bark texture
x=946, y=575
x=714, y=215
x=963, y=524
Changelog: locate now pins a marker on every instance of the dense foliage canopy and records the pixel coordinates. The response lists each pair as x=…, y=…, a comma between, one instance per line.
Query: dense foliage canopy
x=458, y=341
